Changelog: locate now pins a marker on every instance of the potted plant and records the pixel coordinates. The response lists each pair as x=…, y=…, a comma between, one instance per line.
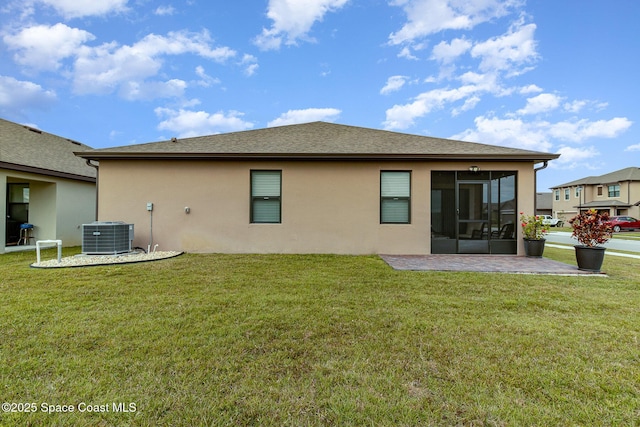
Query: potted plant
x=591, y=229
x=533, y=232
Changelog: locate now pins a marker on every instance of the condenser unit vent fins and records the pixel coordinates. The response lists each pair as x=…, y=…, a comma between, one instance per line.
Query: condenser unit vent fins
x=103, y=238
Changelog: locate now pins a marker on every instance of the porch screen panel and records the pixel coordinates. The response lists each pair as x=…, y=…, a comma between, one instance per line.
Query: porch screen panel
x=395, y=197
x=266, y=196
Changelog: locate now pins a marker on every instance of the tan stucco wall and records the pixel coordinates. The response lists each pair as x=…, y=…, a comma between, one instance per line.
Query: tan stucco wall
x=57, y=206
x=327, y=207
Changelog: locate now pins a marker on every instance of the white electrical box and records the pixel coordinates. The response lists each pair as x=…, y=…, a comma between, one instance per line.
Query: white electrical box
x=149, y=206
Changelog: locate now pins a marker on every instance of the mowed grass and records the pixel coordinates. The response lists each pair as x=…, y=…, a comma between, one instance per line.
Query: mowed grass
x=312, y=340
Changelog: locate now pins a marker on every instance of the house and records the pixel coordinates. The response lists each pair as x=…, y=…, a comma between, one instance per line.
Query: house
x=544, y=203
x=42, y=183
x=617, y=193
x=319, y=188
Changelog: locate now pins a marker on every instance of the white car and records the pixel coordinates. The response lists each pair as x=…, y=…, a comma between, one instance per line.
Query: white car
x=551, y=221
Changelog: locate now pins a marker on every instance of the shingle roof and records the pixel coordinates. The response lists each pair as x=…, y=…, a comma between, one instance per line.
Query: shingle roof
x=32, y=150
x=544, y=200
x=626, y=174
x=317, y=140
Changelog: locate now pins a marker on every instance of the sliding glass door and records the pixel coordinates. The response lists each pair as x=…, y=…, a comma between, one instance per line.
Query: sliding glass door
x=473, y=212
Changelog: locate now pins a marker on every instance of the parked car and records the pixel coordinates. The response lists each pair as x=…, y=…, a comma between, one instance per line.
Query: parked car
x=623, y=222
x=551, y=221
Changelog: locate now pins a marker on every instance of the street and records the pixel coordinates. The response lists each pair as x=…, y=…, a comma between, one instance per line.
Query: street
x=617, y=243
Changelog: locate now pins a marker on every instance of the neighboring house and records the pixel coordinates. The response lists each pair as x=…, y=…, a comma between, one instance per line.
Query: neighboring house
x=319, y=188
x=44, y=184
x=617, y=193
x=544, y=204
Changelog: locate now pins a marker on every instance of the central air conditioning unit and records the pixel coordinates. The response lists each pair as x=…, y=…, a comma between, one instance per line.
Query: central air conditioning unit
x=106, y=238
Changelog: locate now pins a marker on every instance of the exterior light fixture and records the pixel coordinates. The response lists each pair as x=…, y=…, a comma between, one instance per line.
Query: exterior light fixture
x=474, y=169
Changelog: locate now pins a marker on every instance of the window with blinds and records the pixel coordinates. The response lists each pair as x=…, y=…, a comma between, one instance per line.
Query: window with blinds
x=395, y=197
x=265, y=196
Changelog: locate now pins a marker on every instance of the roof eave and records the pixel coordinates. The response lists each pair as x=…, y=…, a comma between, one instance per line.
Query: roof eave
x=47, y=172
x=534, y=157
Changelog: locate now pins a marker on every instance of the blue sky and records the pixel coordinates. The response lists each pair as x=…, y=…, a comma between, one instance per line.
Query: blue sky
x=556, y=76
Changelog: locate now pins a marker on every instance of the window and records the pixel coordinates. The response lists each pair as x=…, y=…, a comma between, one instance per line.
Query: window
x=566, y=194
x=614, y=190
x=578, y=189
x=600, y=190
x=557, y=193
x=265, y=196
x=395, y=197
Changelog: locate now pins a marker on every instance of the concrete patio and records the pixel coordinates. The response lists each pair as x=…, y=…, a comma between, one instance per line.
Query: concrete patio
x=485, y=264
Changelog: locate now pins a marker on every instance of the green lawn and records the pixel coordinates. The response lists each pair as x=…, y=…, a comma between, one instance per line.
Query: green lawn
x=295, y=340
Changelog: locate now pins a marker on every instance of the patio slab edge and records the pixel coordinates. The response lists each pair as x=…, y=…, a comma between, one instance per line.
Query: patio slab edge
x=509, y=264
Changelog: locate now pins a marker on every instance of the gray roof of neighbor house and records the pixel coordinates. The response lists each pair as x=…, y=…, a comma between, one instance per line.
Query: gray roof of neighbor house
x=544, y=200
x=317, y=140
x=626, y=174
x=26, y=149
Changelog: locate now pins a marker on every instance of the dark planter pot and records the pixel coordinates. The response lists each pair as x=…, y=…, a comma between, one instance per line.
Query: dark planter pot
x=534, y=247
x=589, y=258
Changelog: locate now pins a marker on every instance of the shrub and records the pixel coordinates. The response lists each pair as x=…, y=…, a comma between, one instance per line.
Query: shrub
x=591, y=228
x=532, y=226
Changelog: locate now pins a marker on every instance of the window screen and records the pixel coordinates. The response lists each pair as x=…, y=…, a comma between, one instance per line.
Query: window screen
x=395, y=197
x=265, y=196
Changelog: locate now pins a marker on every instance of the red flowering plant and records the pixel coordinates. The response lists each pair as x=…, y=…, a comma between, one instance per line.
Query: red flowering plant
x=532, y=226
x=591, y=228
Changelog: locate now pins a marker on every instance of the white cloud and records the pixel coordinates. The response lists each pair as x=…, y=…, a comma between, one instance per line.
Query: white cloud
x=251, y=69
x=17, y=95
x=109, y=67
x=394, y=83
x=403, y=116
x=186, y=124
x=507, y=55
x=293, y=19
x=43, y=47
x=405, y=52
x=475, y=85
x=575, y=106
x=250, y=64
x=542, y=103
x=104, y=68
x=581, y=130
x=133, y=91
x=305, y=116
x=571, y=157
x=427, y=17
x=634, y=147
x=469, y=104
x=165, y=11
x=79, y=8
x=526, y=90
x=509, y=51
x=205, y=79
x=508, y=132
x=540, y=135
x=448, y=52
